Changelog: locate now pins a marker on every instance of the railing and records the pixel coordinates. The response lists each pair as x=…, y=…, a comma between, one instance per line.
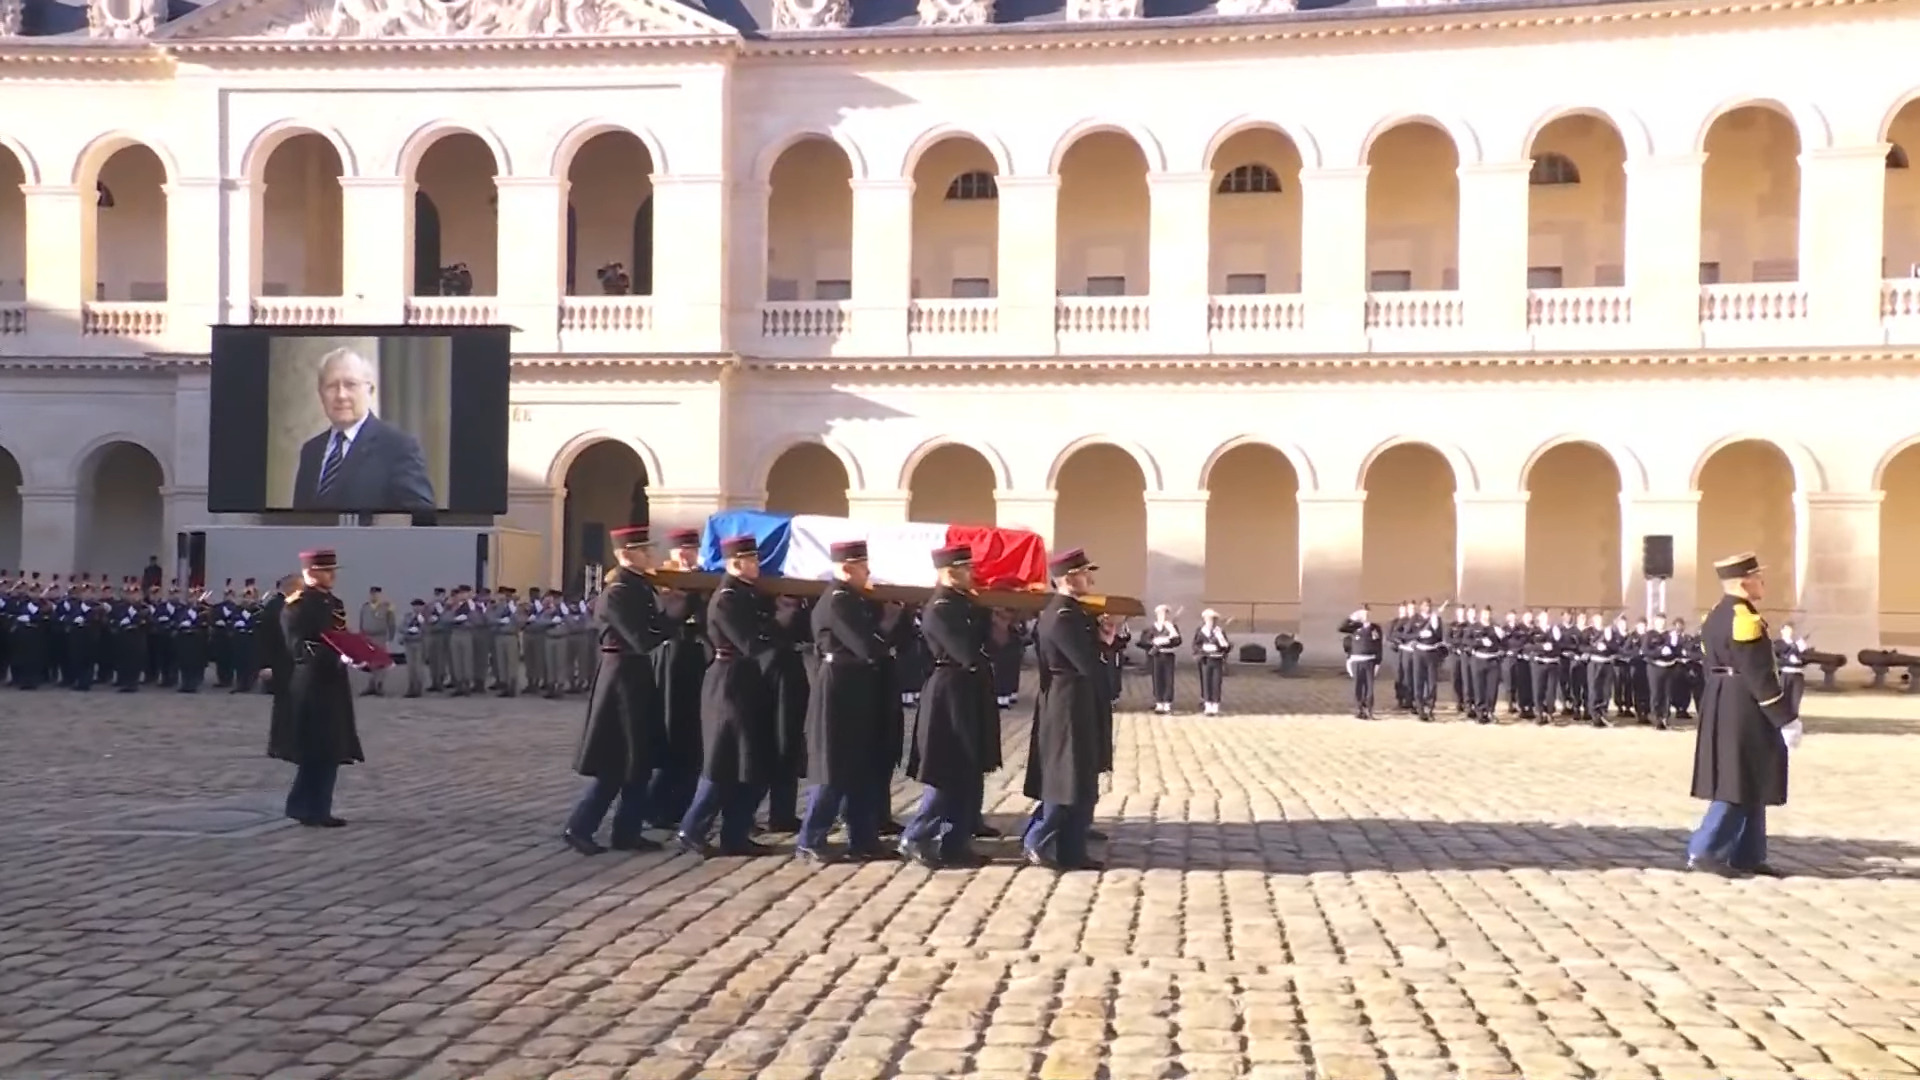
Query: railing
x=949, y=316
x=298, y=311
x=1599, y=306
x=1753, y=302
x=1900, y=298
x=452, y=311
x=1270, y=314
x=606, y=314
x=1436, y=310
x=13, y=318
x=1101, y=315
x=124, y=318
x=805, y=318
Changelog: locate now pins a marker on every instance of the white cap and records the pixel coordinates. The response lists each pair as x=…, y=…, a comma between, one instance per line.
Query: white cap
x=1359, y=614
x=1209, y=614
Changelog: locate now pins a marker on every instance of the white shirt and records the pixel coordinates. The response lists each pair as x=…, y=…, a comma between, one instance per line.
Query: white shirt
x=344, y=439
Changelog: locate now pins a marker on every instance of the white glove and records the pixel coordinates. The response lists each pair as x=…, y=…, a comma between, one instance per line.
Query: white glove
x=1792, y=734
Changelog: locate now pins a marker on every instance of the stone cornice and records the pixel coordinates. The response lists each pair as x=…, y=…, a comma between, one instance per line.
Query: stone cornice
x=268, y=48
x=1363, y=365
x=176, y=362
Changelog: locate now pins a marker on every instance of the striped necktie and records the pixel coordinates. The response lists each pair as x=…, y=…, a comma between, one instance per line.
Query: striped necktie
x=331, y=467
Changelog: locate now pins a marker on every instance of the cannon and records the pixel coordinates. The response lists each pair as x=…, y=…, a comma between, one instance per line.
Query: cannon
x=1829, y=663
x=1881, y=661
x=1287, y=649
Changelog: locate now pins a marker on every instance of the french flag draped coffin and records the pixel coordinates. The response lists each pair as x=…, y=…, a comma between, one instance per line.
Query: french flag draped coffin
x=800, y=546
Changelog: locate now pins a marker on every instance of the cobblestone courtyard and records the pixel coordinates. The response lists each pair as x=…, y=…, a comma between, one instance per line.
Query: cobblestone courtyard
x=1290, y=894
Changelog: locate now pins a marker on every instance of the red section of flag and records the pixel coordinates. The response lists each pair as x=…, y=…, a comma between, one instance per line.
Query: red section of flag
x=359, y=648
x=1002, y=558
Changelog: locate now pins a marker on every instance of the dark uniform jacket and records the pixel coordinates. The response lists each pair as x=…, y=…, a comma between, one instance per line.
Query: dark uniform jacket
x=624, y=731
x=313, y=716
x=679, y=666
x=1738, y=753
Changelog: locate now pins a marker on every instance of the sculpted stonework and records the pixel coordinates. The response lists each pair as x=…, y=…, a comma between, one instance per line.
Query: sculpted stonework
x=370, y=19
x=123, y=20
x=1102, y=10
x=811, y=14
x=956, y=12
x=10, y=12
x=1254, y=7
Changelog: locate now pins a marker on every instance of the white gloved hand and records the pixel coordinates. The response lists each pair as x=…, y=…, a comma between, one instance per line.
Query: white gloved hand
x=1792, y=734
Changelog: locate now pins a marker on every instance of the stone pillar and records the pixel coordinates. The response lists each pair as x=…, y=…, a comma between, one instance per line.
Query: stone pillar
x=1663, y=248
x=246, y=248
x=1675, y=515
x=376, y=216
x=690, y=283
x=882, y=507
x=49, y=522
x=1179, y=260
x=1333, y=258
x=882, y=265
x=1331, y=525
x=531, y=254
x=183, y=509
x=541, y=510
x=1031, y=510
x=197, y=239
x=1842, y=214
x=1837, y=544
x=745, y=262
x=1490, y=549
x=60, y=274
x=1493, y=253
x=1176, y=548
x=1028, y=281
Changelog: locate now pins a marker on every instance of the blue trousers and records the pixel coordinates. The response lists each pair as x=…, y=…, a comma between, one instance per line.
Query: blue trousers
x=1732, y=833
x=1064, y=827
x=825, y=804
x=732, y=803
x=947, y=816
x=594, y=803
x=311, y=796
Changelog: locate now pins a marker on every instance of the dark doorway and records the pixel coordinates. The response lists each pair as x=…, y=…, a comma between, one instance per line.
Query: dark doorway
x=426, y=246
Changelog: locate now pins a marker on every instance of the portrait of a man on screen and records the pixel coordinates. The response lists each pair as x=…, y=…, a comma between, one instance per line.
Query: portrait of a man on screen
x=359, y=464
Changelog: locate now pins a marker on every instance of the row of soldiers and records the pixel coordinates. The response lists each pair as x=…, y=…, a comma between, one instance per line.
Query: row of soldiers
x=83, y=632
x=1580, y=667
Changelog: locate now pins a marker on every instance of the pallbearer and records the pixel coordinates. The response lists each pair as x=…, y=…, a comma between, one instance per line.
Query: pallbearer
x=1365, y=644
x=1211, y=645
x=313, y=724
x=956, y=732
x=844, y=707
x=1162, y=639
x=1072, y=715
x=740, y=751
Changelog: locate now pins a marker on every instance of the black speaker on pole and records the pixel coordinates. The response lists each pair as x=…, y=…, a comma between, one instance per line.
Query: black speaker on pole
x=1656, y=556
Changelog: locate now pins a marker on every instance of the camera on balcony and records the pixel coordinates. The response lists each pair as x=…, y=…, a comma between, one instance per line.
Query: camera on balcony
x=614, y=280
x=456, y=280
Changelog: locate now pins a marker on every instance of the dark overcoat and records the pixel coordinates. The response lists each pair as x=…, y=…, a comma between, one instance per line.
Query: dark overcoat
x=1073, y=712
x=844, y=714
x=1007, y=657
x=624, y=734
x=313, y=698
x=737, y=735
x=956, y=731
x=1739, y=755
x=679, y=667
x=788, y=675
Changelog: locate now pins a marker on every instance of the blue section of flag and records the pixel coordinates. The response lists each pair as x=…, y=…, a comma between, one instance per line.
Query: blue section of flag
x=771, y=530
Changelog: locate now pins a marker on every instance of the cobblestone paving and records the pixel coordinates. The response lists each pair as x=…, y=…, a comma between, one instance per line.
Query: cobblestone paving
x=1292, y=894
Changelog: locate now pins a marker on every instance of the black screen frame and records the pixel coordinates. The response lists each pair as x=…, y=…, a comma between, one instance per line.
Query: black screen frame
x=477, y=432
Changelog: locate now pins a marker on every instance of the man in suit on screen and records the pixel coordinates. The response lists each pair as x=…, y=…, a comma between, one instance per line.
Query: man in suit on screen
x=359, y=464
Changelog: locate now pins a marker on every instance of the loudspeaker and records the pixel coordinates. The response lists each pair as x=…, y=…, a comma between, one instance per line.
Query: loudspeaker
x=482, y=550
x=1656, y=556
x=197, y=560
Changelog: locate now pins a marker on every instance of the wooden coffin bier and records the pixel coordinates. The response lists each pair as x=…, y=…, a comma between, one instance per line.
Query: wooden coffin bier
x=1021, y=600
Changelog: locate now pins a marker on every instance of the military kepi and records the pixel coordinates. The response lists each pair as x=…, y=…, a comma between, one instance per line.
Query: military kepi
x=684, y=538
x=1745, y=564
x=1068, y=561
x=848, y=551
x=956, y=555
x=737, y=547
x=633, y=536
x=319, y=559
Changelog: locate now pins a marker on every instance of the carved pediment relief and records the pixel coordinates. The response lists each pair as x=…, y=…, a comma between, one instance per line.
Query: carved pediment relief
x=376, y=20
x=11, y=12
x=812, y=14
x=1102, y=10
x=124, y=20
x=956, y=12
x=1254, y=7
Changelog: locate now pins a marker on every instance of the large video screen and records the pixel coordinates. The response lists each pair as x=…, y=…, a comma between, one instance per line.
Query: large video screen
x=359, y=420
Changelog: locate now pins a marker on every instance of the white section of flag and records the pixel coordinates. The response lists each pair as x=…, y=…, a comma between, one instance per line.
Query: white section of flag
x=899, y=554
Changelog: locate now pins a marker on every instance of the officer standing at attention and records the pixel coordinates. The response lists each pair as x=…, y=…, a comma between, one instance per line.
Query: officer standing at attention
x=462, y=614
x=507, y=623
x=376, y=623
x=1746, y=729
x=1364, y=644
x=1663, y=649
x=1211, y=645
x=439, y=642
x=1429, y=648
x=1790, y=655
x=1486, y=647
x=313, y=725
x=413, y=641
x=1162, y=639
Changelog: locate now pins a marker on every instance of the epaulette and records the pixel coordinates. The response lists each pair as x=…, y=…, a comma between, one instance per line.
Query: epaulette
x=294, y=595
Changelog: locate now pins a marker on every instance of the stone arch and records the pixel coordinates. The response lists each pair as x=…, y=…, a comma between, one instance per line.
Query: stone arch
x=89, y=455
x=1899, y=106
x=1466, y=141
x=1626, y=123
x=1149, y=468
x=1465, y=477
x=253, y=160
x=1410, y=523
x=939, y=133
x=1887, y=459
x=1809, y=123
x=29, y=167
x=1808, y=476
x=1002, y=476
x=1633, y=472
x=1302, y=465
x=564, y=458
x=88, y=163
x=120, y=515
x=1302, y=138
x=770, y=155
x=1149, y=145
x=581, y=134
x=407, y=161
x=1572, y=555
x=856, y=476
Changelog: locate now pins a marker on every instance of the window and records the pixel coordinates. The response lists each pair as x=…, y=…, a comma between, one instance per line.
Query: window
x=1776, y=270
x=1246, y=284
x=1553, y=170
x=1710, y=273
x=1390, y=281
x=1106, y=286
x=833, y=290
x=782, y=290
x=1610, y=276
x=973, y=187
x=1896, y=157
x=972, y=288
x=1544, y=277
x=1249, y=180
